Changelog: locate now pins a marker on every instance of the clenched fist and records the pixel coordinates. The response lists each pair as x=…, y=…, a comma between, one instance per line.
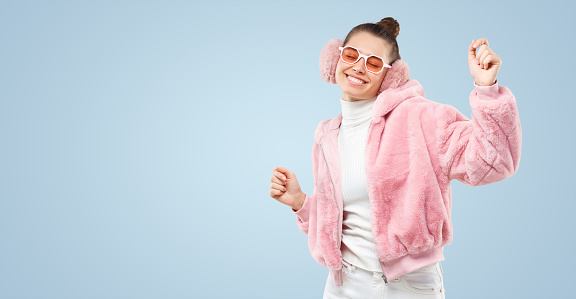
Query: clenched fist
x=285, y=188
x=483, y=65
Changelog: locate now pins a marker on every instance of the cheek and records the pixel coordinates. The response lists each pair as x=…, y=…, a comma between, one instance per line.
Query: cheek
x=339, y=72
x=378, y=79
x=381, y=77
x=339, y=67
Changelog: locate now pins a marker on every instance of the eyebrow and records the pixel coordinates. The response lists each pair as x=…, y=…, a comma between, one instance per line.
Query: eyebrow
x=363, y=52
x=360, y=50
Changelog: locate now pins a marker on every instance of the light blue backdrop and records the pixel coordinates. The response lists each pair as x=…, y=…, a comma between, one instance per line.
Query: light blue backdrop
x=138, y=138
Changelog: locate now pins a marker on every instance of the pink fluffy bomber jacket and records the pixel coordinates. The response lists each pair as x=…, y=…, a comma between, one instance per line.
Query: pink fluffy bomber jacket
x=415, y=147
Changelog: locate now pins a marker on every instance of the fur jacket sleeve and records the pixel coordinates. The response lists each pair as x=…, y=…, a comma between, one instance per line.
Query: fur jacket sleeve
x=485, y=149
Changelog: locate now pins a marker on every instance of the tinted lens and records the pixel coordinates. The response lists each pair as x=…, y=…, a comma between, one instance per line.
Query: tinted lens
x=374, y=64
x=349, y=55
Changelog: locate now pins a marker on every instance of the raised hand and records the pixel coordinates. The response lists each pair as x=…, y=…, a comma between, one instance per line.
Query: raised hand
x=485, y=64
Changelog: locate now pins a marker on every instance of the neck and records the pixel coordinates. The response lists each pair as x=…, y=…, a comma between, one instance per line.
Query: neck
x=349, y=98
x=356, y=112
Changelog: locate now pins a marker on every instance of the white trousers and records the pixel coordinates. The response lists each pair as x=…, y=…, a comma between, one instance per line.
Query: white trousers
x=357, y=283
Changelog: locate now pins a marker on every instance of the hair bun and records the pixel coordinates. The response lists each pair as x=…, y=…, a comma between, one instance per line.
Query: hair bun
x=391, y=25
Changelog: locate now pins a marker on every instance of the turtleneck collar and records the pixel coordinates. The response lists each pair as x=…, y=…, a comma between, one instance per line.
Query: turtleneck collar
x=357, y=112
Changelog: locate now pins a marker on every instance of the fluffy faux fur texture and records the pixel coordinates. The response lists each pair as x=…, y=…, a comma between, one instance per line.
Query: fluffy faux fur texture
x=415, y=147
x=330, y=54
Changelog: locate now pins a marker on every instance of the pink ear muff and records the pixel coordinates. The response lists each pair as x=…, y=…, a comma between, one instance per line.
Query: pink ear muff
x=330, y=54
x=396, y=76
x=329, y=57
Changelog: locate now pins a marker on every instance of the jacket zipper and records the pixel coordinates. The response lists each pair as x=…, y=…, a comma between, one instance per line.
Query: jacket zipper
x=366, y=174
x=334, y=191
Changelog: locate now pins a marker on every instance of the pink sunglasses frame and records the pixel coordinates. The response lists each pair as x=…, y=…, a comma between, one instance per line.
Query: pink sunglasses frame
x=360, y=55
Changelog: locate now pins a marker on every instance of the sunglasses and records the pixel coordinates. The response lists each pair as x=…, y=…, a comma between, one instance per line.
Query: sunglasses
x=373, y=63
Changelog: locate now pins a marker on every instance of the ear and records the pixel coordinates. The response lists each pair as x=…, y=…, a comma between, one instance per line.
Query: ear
x=396, y=76
x=329, y=57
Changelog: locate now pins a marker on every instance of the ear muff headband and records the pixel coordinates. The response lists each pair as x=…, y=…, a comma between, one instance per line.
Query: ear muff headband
x=330, y=54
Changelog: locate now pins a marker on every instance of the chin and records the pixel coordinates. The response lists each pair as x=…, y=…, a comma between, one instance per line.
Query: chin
x=363, y=93
x=360, y=95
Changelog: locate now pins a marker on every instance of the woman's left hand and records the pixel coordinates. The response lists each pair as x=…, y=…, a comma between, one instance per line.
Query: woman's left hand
x=485, y=64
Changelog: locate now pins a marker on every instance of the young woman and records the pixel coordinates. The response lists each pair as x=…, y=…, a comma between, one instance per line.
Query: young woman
x=380, y=212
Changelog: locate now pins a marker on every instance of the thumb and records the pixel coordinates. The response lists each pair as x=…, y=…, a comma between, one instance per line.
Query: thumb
x=471, y=51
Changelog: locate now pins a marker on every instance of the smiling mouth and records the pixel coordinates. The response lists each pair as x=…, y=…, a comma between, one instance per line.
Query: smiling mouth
x=355, y=80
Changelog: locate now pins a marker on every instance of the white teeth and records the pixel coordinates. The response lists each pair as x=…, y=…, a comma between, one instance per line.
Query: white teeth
x=355, y=80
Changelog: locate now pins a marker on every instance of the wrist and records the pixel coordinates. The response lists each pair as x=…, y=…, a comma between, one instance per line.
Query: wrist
x=300, y=198
x=483, y=84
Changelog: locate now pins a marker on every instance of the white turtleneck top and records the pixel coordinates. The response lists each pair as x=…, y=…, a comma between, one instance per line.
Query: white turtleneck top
x=357, y=240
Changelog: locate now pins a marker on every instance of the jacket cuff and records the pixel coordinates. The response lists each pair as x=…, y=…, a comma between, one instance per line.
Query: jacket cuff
x=304, y=211
x=487, y=92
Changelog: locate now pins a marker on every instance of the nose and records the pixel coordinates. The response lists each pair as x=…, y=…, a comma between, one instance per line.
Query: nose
x=359, y=65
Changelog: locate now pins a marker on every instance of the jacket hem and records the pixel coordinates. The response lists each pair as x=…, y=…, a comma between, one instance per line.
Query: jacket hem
x=411, y=262
x=402, y=265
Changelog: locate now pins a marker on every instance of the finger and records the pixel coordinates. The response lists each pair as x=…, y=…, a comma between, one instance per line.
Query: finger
x=277, y=187
x=280, y=172
x=474, y=45
x=482, y=58
x=485, y=54
x=274, y=192
x=472, y=51
x=481, y=49
x=482, y=41
x=277, y=180
x=487, y=61
x=287, y=173
x=279, y=175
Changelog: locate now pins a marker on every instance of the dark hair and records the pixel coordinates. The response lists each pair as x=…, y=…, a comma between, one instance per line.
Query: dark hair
x=387, y=29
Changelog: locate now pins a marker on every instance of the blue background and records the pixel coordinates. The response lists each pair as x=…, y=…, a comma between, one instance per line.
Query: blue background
x=138, y=139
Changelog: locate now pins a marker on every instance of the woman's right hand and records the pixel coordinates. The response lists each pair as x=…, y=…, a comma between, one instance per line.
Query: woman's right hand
x=285, y=188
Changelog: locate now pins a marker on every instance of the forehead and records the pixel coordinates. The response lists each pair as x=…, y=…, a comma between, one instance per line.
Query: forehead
x=369, y=44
